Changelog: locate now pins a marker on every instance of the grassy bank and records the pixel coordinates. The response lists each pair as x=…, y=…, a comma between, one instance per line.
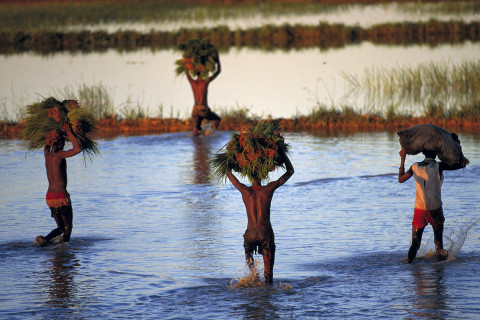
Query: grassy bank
x=320, y=119
x=446, y=87
x=38, y=15
x=267, y=37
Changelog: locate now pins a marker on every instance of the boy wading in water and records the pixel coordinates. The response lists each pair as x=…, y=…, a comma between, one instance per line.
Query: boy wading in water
x=259, y=233
x=200, y=109
x=428, y=175
x=58, y=199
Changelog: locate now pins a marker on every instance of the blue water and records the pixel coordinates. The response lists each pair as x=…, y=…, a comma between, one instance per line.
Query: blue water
x=155, y=237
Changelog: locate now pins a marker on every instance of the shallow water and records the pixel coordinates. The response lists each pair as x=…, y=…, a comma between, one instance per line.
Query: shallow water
x=250, y=78
x=258, y=15
x=155, y=237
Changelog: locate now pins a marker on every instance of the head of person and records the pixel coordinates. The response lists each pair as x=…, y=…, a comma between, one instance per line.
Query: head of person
x=55, y=139
x=429, y=154
x=59, y=144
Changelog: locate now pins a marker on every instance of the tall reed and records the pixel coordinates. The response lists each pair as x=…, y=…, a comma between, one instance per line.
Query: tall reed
x=445, y=85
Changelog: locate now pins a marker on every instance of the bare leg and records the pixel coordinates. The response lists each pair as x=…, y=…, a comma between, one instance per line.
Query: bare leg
x=67, y=218
x=268, y=263
x=440, y=253
x=197, y=124
x=58, y=220
x=416, y=241
x=216, y=123
x=249, y=259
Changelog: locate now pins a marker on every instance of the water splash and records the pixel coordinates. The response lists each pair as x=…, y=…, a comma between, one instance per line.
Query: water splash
x=452, y=242
x=254, y=278
x=249, y=278
x=455, y=240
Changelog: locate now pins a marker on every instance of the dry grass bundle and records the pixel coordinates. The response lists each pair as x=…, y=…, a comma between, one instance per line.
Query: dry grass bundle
x=251, y=153
x=199, y=56
x=44, y=124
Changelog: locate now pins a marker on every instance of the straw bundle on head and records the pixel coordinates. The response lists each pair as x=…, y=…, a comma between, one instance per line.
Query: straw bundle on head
x=251, y=153
x=199, y=56
x=44, y=124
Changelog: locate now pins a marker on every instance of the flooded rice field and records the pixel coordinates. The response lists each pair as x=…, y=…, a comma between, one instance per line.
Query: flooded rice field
x=252, y=79
x=155, y=237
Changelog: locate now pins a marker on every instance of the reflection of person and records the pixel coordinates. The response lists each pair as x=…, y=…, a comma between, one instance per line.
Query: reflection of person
x=200, y=108
x=428, y=175
x=259, y=233
x=58, y=199
x=61, y=287
x=429, y=301
x=201, y=170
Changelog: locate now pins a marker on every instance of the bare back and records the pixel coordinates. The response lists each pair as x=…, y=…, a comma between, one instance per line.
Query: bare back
x=200, y=86
x=258, y=199
x=200, y=90
x=257, y=202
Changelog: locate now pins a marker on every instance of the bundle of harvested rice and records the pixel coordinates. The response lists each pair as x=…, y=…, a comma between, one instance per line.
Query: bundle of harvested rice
x=44, y=124
x=199, y=57
x=251, y=153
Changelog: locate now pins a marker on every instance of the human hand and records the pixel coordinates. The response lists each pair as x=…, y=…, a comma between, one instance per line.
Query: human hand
x=66, y=126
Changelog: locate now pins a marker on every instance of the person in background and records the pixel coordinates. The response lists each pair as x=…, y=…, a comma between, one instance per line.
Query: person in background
x=200, y=108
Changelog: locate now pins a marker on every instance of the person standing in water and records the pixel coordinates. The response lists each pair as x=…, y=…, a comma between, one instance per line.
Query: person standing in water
x=200, y=108
x=428, y=175
x=259, y=235
x=57, y=198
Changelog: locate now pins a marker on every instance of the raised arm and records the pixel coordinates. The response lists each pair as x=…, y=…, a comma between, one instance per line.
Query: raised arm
x=288, y=173
x=76, y=146
x=237, y=184
x=189, y=77
x=217, y=72
x=46, y=149
x=402, y=175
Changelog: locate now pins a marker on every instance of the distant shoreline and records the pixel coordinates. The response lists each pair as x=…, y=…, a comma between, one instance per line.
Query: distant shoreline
x=111, y=127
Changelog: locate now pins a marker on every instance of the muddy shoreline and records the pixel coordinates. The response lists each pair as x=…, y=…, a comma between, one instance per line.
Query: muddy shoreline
x=112, y=127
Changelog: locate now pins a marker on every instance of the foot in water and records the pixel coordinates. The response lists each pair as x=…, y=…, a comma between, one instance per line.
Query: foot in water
x=405, y=260
x=58, y=239
x=40, y=241
x=441, y=255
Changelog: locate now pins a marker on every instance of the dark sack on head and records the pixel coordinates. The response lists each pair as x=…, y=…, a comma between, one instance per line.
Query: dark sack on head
x=428, y=137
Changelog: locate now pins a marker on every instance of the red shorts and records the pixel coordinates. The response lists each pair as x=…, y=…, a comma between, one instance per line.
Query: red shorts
x=423, y=217
x=57, y=199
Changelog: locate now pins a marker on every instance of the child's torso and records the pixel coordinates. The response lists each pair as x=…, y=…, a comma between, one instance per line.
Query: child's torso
x=429, y=185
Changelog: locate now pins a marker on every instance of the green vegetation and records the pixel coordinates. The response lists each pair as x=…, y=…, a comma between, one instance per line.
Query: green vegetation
x=55, y=16
x=252, y=152
x=98, y=102
x=445, y=89
x=267, y=37
x=59, y=15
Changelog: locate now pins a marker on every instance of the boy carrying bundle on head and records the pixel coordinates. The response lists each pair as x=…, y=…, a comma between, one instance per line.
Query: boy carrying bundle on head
x=201, y=65
x=432, y=141
x=49, y=123
x=254, y=154
x=57, y=198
